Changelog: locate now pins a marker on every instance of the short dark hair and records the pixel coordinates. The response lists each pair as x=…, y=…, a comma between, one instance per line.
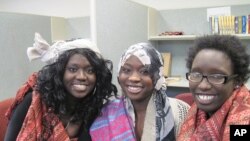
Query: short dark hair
x=51, y=87
x=228, y=44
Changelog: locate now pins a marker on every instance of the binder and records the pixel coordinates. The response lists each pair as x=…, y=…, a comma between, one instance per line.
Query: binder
x=167, y=63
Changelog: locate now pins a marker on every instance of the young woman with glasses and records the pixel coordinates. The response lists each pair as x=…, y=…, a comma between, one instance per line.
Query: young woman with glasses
x=218, y=68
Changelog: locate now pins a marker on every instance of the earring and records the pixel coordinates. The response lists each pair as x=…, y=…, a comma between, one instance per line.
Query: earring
x=94, y=91
x=237, y=87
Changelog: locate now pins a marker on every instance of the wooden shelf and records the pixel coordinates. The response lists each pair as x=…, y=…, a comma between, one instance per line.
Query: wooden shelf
x=182, y=82
x=189, y=37
x=172, y=37
x=243, y=36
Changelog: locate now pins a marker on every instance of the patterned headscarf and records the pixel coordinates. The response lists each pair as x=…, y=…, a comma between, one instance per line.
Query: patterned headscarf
x=148, y=55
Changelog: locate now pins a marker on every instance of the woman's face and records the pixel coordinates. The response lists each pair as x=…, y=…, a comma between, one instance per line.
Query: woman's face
x=135, y=80
x=79, y=76
x=210, y=97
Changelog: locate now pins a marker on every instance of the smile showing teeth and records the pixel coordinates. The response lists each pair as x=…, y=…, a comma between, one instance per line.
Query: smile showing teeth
x=133, y=89
x=205, y=99
x=79, y=87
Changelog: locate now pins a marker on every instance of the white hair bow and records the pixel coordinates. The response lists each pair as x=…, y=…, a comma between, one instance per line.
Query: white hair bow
x=49, y=54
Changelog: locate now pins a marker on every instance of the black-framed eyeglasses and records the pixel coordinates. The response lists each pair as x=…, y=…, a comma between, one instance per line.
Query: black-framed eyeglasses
x=197, y=77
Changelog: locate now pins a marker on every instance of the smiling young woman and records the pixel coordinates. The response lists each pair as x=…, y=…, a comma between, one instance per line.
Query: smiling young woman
x=218, y=68
x=61, y=101
x=144, y=112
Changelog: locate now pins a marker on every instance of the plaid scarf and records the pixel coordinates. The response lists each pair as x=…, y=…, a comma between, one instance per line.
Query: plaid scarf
x=235, y=111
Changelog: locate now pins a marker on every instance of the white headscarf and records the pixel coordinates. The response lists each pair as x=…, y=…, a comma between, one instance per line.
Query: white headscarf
x=49, y=54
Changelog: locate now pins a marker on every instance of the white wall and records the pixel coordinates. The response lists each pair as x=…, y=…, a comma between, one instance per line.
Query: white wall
x=119, y=24
x=17, y=33
x=78, y=27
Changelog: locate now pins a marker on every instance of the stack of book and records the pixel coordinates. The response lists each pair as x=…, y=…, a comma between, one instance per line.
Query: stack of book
x=230, y=24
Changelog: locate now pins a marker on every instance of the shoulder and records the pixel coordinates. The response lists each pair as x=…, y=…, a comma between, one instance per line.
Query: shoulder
x=179, y=104
x=179, y=109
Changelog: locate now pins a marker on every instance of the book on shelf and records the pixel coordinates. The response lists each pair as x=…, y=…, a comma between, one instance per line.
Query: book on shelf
x=211, y=24
x=225, y=24
x=167, y=63
x=220, y=24
x=236, y=25
x=240, y=24
x=232, y=24
x=244, y=23
x=216, y=25
x=248, y=24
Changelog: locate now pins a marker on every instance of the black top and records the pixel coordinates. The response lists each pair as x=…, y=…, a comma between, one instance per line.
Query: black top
x=18, y=116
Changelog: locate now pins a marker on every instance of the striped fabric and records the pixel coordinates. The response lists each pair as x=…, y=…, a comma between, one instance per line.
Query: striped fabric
x=114, y=124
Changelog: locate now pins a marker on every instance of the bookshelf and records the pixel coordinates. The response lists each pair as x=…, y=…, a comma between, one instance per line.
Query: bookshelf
x=177, y=45
x=153, y=33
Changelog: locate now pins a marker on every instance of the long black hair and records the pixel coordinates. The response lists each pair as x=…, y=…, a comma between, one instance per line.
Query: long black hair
x=51, y=87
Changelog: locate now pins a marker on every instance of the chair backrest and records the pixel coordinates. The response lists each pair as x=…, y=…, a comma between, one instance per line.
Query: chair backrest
x=186, y=97
x=4, y=105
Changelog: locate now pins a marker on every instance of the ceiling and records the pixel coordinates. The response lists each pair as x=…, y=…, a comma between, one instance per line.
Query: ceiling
x=57, y=8
x=81, y=8
x=180, y=4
